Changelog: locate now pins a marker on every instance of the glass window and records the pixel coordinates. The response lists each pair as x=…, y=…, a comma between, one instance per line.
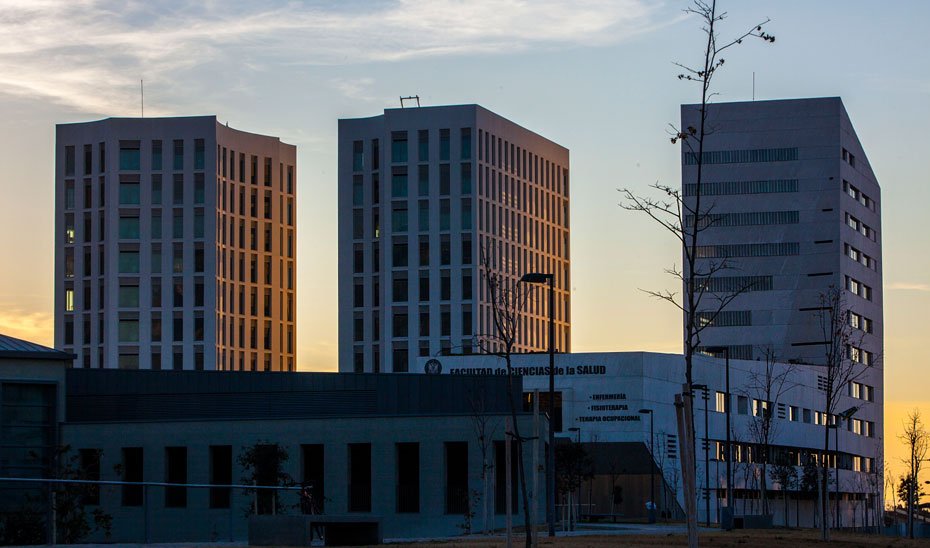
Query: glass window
x=128, y=262
x=444, y=179
x=399, y=218
x=156, y=155
x=198, y=224
x=444, y=144
x=128, y=193
x=423, y=180
x=466, y=143
x=178, y=163
x=199, y=154
x=129, y=331
x=399, y=183
x=466, y=178
x=358, y=156
x=129, y=296
x=129, y=228
x=69, y=160
x=444, y=215
x=129, y=158
x=399, y=147
x=358, y=191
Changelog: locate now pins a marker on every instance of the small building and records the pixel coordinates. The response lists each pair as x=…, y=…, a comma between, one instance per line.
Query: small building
x=402, y=448
x=599, y=398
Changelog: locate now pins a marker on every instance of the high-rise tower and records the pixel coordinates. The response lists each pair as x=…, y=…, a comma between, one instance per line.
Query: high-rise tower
x=423, y=194
x=175, y=245
x=796, y=209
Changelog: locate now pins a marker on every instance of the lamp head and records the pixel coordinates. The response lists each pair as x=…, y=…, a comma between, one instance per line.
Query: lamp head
x=535, y=278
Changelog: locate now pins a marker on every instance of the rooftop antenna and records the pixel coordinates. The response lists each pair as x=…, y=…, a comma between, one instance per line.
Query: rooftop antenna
x=142, y=97
x=410, y=98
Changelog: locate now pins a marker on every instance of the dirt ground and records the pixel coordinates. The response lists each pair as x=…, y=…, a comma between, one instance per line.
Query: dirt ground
x=732, y=539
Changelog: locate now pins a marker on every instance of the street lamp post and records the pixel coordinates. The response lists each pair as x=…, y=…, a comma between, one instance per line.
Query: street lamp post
x=704, y=389
x=726, y=407
x=652, y=467
x=539, y=278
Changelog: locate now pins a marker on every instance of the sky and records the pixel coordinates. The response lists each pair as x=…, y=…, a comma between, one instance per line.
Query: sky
x=596, y=76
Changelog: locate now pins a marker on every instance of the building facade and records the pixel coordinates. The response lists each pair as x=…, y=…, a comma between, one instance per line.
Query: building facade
x=598, y=403
x=425, y=195
x=175, y=245
x=795, y=208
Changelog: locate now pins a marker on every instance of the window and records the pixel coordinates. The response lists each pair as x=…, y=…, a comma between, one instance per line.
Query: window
x=399, y=182
x=444, y=144
x=423, y=180
x=69, y=299
x=724, y=318
x=423, y=145
x=358, y=156
x=465, y=142
x=69, y=160
x=399, y=288
x=721, y=402
x=743, y=156
x=408, y=477
x=90, y=467
x=358, y=190
x=128, y=262
x=445, y=290
x=399, y=324
x=424, y=322
x=220, y=474
x=424, y=286
x=400, y=359
x=399, y=253
x=156, y=155
x=360, y=476
x=313, y=474
x=199, y=154
x=129, y=156
x=175, y=472
x=444, y=215
x=177, y=194
x=129, y=296
x=742, y=405
x=399, y=218
x=445, y=181
x=748, y=250
x=466, y=178
x=129, y=228
x=399, y=147
x=456, y=477
x=466, y=285
x=128, y=193
x=794, y=413
x=132, y=472
x=806, y=415
x=178, y=163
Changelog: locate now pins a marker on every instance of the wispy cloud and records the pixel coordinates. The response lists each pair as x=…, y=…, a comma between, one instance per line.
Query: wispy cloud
x=89, y=54
x=908, y=286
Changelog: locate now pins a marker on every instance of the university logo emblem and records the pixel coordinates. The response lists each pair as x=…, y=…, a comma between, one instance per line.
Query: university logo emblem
x=432, y=367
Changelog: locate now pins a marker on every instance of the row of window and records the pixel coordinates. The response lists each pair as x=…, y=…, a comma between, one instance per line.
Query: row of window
x=858, y=195
x=735, y=352
x=227, y=168
x=400, y=288
x=860, y=257
x=400, y=321
x=748, y=156
x=858, y=355
x=748, y=250
x=849, y=158
x=752, y=218
x=735, y=284
x=400, y=251
x=236, y=361
x=130, y=156
x=236, y=335
x=400, y=151
x=408, y=476
x=861, y=391
x=724, y=318
x=856, y=287
x=858, y=321
x=860, y=227
x=792, y=413
x=791, y=456
x=130, y=191
x=729, y=188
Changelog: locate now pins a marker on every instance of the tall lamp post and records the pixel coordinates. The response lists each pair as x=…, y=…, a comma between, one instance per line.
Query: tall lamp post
x=726, y=407
x=540, y=278
x=703, y=387
x=652, y=467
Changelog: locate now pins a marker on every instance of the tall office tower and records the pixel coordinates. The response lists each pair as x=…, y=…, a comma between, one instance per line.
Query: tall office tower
x=424, y=193
x=175, y=245
x=796, y=209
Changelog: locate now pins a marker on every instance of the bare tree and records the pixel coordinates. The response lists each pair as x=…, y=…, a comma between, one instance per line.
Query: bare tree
x=875, y=484
x=786, y=475
x=917, y=439
x=683, y=213
x=842, y=365
x=485, y=430
x=507, y=299
x=768, y=383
